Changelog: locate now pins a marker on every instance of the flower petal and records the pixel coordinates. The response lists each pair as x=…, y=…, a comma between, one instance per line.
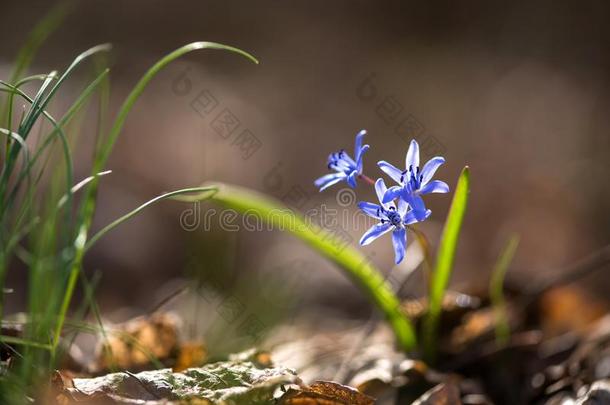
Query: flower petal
x=399, y=240
x=351, y=179
x=402, y=207
x=374, y=232
x=430, y=168
x=412, y=158
x=417, y=205
x=380, y=189
x=358, y=143
x=359, y=158
x=390, y=170
x=370, y=209
x=435, y=186
x=391, y=194
x=347, y=160
x=410, y=217
x=325, y=182
x=326, y=178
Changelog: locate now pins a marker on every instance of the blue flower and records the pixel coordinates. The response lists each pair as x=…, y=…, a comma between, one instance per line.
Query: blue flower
x=393, y=217
x=345, y=167
x=414, y=182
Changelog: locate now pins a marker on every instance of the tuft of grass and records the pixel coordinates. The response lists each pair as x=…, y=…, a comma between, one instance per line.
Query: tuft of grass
x=42, y=223
x=444, y=263
x=103, y=152
x=496, y=290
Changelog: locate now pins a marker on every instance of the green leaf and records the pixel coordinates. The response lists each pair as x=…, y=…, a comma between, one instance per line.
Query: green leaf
x=444, y=261
x=87, y=208
x=202, y=194
x=496, y=290
x=355, y=265
x=141, y=85
x=37, y=37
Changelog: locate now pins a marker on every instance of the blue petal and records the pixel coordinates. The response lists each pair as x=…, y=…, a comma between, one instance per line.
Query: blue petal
x=358, y=144
x=430, y=168
x=417, y=204
x=410, y=217
x=435, y=186
x=351, y=179
x=370, y=209
x=390, y=170
x=391, y=194
x=412, y=158
x=359, y=157
x=348, y=161
x=326, y=178
x=374, y=232
x=402, y=207
x=329, y=181
x=380, y=189
x=399, y=240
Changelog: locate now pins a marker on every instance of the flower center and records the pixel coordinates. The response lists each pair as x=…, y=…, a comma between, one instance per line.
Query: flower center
x=392, y=216
x=412, y=178
x=341, y=161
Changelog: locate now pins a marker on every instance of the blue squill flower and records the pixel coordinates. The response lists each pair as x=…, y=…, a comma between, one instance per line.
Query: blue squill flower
x=392, y=217
x=413, y=182
x=345, y=167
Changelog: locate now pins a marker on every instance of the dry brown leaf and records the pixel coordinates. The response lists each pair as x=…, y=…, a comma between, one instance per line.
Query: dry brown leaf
x=326, y=393
x=442, y=394
x=452, y=301
x=225, y=382
x=190, y=354
x=569, y=308
x=133, y=344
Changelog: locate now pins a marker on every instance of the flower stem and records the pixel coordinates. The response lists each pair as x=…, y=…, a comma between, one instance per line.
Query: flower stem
x=366, y=179
x=425, y=245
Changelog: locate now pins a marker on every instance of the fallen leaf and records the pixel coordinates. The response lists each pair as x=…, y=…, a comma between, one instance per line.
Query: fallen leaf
x=442, y=394
x=326, y=393
x=569, y=308
x=190, y=354
x=135, y=343
x=223, y=383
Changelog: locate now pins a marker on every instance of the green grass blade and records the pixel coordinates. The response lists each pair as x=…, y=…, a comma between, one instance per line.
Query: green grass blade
x=496, y=290
x=444, y=261
x=81, y=245
x=74, y=108
x=37, y=37
x=11, y=97
x=39, y=105
x=80, y=185
x=6, y=169
x=24, y=342
x=141, y=85
x=203, y=192
x=357, y=267
x=26, y=54
x=87, y=208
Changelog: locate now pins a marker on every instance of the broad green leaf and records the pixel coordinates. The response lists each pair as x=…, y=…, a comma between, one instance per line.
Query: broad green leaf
x=444, y=261
x=356, y=266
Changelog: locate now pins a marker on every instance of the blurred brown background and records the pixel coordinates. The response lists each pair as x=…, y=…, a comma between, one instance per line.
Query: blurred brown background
x=519, y=91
